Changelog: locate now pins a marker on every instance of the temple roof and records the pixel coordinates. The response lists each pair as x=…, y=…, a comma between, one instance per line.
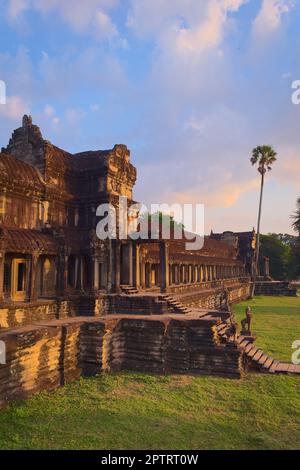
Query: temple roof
x=15, y=170
x=27, y=241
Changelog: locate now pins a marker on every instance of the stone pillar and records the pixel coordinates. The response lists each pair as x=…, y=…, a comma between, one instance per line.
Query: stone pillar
x=64, y=283
x=109, y=266
x=76, y=273
x=117, y=267
x=96, y=283
x=2, y=258
x=177, y=274
x=136, y=265
x=143, y=275
x=33, y=294
x=131, y=264
x=149, y=275
x=164, y=266
x=266, y=266
x=81, y=273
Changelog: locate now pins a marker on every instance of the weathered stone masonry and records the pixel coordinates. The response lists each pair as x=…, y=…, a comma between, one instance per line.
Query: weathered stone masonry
x=51, y=354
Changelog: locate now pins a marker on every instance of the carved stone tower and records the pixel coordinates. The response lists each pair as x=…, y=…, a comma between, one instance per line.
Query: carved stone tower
x=27, y=144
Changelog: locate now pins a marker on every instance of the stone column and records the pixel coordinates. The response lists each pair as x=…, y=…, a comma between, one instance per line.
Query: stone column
x=149, y=275
x=33, y=294
x=177, y=279
x=96, y=283
x=131, y=264
x=65, y=273
x=117, y=266
x=2, y=258
x=110, y=266
x=76, y=273
x=267, y=267
x=171, y=274
x=164, y=266
x=143, y=275
x=136, y=265
x=81, y=274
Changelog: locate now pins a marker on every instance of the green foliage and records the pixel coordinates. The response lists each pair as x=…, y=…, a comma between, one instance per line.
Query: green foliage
x=264, y=156
x=279, y=252
x=296, y=218
x=295, y=258
x=284, y=253
x=159, y=220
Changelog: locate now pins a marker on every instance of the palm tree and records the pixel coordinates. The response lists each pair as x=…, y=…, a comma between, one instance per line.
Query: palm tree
x=264, y=157
x=296, y=217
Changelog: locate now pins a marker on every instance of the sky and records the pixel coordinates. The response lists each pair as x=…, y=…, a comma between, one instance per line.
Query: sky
x=190, y=86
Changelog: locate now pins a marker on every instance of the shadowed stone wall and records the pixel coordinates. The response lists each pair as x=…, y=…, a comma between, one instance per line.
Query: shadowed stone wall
x=51, y=354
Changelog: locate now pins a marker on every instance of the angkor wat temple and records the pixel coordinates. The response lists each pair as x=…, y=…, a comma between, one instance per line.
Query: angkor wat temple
x=49, y=249
x=71, y=303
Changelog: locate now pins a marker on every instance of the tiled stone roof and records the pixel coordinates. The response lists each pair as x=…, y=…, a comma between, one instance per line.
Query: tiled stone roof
x=13, y=170
x=27, y=241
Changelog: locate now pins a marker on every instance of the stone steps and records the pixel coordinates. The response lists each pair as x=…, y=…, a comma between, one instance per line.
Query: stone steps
x=263, y=362
x=177, y=306
x=129, y=290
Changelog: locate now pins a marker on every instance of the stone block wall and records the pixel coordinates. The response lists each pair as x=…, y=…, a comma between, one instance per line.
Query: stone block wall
x=135, y=304
x=53, y=353
x=14, y=315
x=275, y=288
x=213, y=299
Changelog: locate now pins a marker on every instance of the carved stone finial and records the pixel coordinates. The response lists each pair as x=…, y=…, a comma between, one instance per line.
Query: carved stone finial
x=27, y=121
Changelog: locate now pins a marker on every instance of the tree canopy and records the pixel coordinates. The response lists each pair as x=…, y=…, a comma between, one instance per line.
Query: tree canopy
x=283, y=250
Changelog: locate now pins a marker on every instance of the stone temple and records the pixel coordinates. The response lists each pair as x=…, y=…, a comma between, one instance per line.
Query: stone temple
x=72, y=304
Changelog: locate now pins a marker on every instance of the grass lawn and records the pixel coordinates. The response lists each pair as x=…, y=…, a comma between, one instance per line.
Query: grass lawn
x=142, y=411
x=276, y=323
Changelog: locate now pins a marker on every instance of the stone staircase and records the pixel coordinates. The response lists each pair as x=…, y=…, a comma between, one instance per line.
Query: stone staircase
x=129, y=290
x=175, y=305
x=223, y=331
x=263, y=362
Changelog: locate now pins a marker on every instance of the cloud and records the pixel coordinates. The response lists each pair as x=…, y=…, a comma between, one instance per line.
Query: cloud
x=82, y=16
x=269, y=18
x=186, y=26
x=289, y=166
x=224, y=196
x=208, y=33
x=14, y=108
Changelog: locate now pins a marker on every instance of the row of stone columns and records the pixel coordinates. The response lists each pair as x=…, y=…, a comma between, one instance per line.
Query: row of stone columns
x=190, y=273
x=2, y=256
x=146, y=275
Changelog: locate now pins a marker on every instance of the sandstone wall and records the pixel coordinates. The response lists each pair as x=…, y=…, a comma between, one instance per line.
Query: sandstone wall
x=275, y=288
x=53, y=353
x=18, y=315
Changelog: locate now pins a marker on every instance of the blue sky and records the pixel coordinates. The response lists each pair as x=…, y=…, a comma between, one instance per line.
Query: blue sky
x=190, y=86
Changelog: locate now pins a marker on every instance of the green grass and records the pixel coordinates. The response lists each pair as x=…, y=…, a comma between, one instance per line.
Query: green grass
x=143, y=411
x=139, y=411
x=276, y=323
